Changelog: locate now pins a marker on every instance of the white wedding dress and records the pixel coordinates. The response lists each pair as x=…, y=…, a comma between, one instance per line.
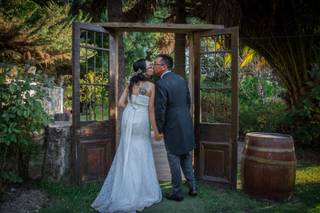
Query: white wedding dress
x=132, y=183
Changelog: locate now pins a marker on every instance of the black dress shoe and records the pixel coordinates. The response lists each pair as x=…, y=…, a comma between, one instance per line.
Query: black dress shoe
x=193, y=192
x=174, y=197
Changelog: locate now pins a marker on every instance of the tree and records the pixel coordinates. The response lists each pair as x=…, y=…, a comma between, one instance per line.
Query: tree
x=284, y=32
x=287, y=34
x=27, y=36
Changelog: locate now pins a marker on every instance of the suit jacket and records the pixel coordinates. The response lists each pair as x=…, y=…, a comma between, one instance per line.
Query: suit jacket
x=173, y=113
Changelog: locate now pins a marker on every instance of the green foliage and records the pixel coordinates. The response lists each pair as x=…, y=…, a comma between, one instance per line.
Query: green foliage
x=215, y=67
x=142, y=45
x=18, y=9
x=258, y=87
x=261, y=115
x=36, y=34
x=303, y=119
x=139, y=45
x=261, y=108
x=22, y=116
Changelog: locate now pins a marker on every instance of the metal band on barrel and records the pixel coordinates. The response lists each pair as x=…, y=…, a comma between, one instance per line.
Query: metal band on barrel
x=262, y=149
x=267, y=161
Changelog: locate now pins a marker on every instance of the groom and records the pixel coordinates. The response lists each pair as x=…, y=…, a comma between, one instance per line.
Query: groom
x=174, y=121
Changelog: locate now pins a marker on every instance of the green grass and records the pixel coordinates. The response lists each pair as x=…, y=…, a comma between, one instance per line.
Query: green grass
x=70, y=198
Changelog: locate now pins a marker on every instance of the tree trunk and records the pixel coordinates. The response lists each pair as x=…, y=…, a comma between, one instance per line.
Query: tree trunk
x=74, y=7
x=97, y=8
x=180, y=41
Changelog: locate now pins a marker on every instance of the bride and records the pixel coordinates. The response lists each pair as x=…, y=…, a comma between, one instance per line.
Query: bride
x=132, y=183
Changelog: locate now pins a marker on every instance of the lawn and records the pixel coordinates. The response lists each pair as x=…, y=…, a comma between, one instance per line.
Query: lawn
x=69, y=198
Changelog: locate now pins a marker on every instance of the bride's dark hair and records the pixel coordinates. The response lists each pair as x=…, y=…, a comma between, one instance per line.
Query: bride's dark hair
x=139, y=68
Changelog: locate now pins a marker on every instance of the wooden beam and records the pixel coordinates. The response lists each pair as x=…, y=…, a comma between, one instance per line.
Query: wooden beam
x=113, y=76
x=195, y=77
x=235, y=103
x=75, y=147
x=145, y=27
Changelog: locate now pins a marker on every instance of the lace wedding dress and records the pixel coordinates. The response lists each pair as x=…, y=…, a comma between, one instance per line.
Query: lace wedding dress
x=132, y=183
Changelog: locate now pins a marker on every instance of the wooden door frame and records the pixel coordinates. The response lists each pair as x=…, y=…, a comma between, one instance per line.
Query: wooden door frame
x=193, y=31
x=113, y=72
x=194, y=83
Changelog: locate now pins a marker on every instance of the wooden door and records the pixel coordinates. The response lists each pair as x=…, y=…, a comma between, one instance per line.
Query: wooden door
x=93, y=103
x=215, y=67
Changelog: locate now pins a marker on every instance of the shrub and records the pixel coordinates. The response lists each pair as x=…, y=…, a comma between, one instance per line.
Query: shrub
x=261, y=115
x=303, y=119
x=21, y=117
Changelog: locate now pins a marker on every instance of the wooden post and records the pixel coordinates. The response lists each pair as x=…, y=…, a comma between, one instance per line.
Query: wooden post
x=75, y=102
x=191, y=74
x=180, y=40
x=113, y=88
x=195, y=75
x=235, y=103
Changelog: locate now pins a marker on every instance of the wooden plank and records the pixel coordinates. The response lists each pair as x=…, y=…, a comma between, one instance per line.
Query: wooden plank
x=215, y=165
x=93, y=47
x=195, y=70
x=145, y=27
x=216, y=32
x=113, y=79
x=215, y=132
x=75, y=146
x=235, y=103
x=161, y=160
x=91, y=27
x=191, y=74
x=95, y=160
x=118, y=38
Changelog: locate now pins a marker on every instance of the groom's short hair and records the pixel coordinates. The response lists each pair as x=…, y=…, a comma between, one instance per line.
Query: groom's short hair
x=167, y=59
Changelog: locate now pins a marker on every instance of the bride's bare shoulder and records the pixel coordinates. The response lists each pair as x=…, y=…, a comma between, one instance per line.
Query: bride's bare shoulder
x=151, y=84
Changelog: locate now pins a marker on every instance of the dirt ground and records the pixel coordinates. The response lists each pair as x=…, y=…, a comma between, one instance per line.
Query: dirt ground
x=25, y=198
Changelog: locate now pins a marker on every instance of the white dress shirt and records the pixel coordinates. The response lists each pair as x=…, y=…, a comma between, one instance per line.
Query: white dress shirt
x=165, y=73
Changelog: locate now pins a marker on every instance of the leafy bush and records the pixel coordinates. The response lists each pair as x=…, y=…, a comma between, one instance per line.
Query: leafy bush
x=22, y=116
x=303, y=119
x=261, y=108
x=261, y=115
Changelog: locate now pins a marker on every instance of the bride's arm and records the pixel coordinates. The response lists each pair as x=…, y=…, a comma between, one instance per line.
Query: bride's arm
x=124, y=98
x=152, y=115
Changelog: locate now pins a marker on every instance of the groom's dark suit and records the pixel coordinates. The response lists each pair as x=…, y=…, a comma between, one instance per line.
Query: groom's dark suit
x=175, y=122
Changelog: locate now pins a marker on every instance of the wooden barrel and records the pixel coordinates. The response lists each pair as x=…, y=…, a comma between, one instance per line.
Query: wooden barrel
x=268, y=165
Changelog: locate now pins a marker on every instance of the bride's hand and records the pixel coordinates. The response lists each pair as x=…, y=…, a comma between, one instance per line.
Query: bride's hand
x=158, y=136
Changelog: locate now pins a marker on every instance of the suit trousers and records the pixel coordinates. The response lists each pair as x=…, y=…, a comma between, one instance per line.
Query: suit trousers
x=184, y=162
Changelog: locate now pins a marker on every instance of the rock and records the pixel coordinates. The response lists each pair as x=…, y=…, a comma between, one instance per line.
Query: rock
x=57, y=162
